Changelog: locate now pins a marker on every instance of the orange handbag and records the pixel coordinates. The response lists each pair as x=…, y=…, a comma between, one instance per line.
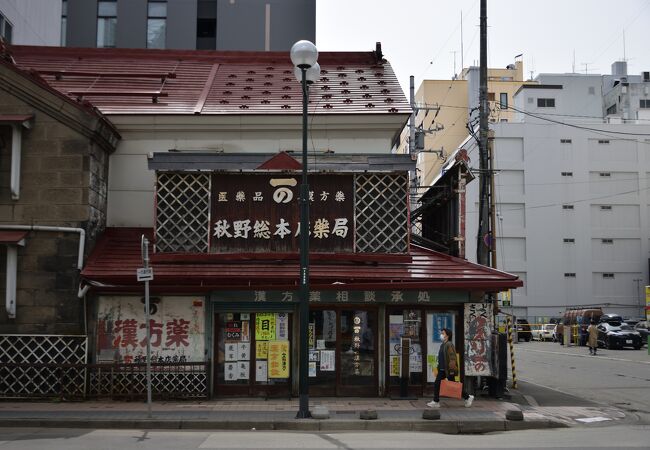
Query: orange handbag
x=451, y=389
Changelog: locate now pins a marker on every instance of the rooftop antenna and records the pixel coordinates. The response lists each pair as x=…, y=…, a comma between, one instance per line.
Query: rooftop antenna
x=573, y=66
x=586, y=67
x=462, y=63
x=454, y=52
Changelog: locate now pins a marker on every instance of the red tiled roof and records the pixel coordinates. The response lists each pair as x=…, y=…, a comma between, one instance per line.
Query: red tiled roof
x=113, y=263
x=127, y=81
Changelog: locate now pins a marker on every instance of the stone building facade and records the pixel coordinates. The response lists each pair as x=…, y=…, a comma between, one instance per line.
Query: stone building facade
x=63, y=152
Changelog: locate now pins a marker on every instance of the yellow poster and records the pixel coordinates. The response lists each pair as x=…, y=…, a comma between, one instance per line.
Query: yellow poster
x=278, y=359
x=264, y=326
x=395, y=366
x=261, y=349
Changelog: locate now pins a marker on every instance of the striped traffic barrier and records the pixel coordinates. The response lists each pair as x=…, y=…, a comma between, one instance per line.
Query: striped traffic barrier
x=512, y=353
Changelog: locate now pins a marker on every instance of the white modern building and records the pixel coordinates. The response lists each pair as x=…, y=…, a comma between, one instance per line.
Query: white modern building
x=572, y=193
x=31, y=22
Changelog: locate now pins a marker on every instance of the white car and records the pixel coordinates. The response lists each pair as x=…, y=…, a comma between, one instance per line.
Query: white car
x=543, y=332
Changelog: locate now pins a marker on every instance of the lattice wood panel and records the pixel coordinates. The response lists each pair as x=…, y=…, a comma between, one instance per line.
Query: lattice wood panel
x=381, y=213
x=42, y=365
x=124, y=382
x=182, y=212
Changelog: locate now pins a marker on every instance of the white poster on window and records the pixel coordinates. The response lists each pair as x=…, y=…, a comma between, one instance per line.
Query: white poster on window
x=243, y=368
x=415, y=358
x=231, y=351
x=327, y=361
x=282, y=326
x=230, y=371
x=243, y=351
x=261, y=372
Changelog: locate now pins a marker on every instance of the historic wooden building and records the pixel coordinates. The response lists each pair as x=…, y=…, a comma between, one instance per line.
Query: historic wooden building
x=206, y=169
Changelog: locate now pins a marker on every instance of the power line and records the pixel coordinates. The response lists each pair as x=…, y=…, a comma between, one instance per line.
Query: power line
x=550, y=205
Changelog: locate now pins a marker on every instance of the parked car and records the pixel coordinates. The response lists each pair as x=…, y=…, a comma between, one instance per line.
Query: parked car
x=618, y=336
x=543, y=332
x=523, y=330
x=644, y=330
x=613, y=319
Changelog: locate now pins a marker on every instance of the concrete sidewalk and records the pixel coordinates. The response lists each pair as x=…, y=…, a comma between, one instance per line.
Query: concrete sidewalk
x=486, y=415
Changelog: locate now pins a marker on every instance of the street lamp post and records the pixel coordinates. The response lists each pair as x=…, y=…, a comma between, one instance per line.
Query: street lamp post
x=304, y=55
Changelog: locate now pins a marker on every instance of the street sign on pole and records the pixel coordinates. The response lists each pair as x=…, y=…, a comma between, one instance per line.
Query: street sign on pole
x=146, y=274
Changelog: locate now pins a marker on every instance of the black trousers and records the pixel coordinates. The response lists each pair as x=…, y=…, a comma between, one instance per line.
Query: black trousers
x=436, y=385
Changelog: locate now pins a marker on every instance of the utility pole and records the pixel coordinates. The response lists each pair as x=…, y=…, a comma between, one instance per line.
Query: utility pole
x=412, y=118
x=484, y=238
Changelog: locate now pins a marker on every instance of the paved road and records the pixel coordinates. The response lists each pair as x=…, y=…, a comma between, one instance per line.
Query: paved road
x=618, y=378
x=619, y=437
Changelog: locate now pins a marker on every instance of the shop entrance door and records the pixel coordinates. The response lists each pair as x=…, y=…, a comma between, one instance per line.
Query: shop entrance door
x=343, y=351
x=421, y=327
x=252, y=354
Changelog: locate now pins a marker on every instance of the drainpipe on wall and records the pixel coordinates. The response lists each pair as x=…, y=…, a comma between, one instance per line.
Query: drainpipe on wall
x=16, y=143
x=12, y=259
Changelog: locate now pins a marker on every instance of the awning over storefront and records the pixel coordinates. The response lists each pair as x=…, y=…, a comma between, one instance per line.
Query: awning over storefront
x=112, y=268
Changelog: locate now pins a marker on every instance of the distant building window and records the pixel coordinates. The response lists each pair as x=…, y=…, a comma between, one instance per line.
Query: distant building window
x=64, y=22
x=608, y=275
x=592, y=90
x=603, y=141
x=503, y=120
x=567, y=174
x=607, y=241
x=644, y=103
x=567, y=206
x=503, y=100
x=106, y=23
x=206, y=34
x=611, y=109
x=156, y=24
x=490, y=96
x=605, y=174
x=6, y=29
x=605, y=207
x=565, y=141
x=569, y=275
x=569, y=240
x=546, y=103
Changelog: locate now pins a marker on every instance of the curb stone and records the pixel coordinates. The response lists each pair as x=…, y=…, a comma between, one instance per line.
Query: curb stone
x=440, y=426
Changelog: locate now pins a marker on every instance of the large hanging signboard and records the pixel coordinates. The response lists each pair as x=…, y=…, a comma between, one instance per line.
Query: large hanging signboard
x=261, y=213
x=177, y=332
x=479, y=322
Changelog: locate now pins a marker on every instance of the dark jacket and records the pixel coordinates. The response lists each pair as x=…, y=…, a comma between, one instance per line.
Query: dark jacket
x=448, y=360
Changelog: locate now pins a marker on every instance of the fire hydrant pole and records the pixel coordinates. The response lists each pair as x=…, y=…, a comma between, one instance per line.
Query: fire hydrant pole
x=512, y=353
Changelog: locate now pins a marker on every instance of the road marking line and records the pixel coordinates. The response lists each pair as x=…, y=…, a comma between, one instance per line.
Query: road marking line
x=531, y=400
x=588, y=356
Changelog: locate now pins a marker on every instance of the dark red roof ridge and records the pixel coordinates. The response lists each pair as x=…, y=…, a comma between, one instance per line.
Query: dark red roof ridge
x=218, y=56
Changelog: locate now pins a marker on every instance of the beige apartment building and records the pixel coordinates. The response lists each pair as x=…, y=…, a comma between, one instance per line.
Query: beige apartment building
x=446, y=106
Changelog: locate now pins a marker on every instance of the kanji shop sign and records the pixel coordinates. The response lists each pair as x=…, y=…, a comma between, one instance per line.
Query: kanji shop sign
x=261, y=213
x=177, y=332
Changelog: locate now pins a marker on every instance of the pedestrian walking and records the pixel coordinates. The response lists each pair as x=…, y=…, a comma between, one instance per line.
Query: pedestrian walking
x=592, y=340
x=447, y=368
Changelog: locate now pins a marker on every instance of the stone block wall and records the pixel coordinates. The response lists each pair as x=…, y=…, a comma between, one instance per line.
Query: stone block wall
x=64, y=175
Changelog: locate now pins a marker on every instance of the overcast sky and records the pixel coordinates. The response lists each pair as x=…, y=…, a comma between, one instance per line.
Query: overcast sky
x=419, y=36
